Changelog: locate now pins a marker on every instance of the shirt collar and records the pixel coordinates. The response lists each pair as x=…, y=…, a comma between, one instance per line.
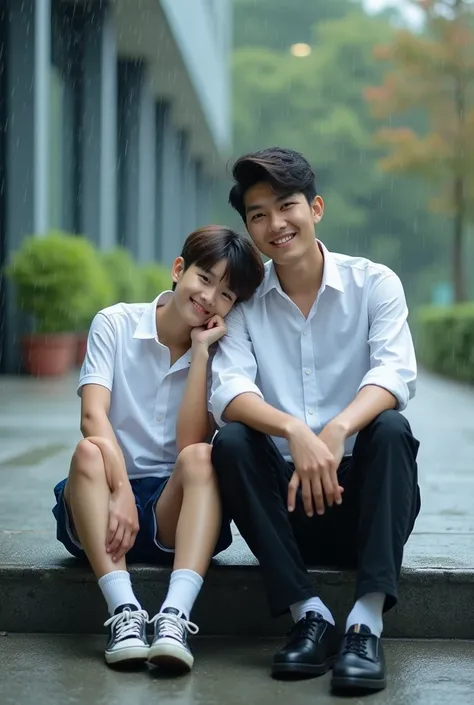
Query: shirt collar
x=146, y=326
x=331, y=276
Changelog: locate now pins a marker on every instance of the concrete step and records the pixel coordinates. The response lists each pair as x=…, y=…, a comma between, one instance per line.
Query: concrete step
x=42, y=590
x=56, y=669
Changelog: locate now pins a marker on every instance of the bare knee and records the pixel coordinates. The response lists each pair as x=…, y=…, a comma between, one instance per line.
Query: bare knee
x=87, y=461
x=194, y=464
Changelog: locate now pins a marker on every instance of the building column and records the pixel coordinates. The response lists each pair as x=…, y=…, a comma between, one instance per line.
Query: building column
x=26, y=142
x=98, y=118
x=137, y=169
x=189, y=190
x=204, y=188
x=169, y=194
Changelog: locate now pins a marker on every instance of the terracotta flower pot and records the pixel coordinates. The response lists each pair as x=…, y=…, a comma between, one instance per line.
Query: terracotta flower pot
x=81, y=348
x=49, y=354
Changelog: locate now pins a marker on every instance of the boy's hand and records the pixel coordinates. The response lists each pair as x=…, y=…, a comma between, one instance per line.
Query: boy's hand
x=315, y=471
x=123, y=522
x=210, y=333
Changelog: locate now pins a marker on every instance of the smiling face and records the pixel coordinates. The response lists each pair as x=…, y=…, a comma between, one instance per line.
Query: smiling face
x=201, y=294
x=281, y=225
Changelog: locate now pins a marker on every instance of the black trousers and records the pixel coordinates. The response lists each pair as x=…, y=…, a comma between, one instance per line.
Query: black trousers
x=368, y=531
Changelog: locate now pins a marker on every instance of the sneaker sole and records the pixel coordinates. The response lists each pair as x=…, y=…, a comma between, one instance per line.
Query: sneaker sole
x=123, y=657
x=170, y=657
x=303, y=669
x=352, y=684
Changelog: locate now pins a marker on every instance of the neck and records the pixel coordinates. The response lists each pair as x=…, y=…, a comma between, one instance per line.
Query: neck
x=172, y=331
x=305, y=275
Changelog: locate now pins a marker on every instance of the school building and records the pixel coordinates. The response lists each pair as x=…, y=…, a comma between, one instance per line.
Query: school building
x=114, y=121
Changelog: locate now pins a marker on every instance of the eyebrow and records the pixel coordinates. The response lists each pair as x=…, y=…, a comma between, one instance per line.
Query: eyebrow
x=278, y=199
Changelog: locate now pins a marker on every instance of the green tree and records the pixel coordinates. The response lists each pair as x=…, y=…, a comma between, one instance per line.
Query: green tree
x=277, y=24
x=316, y=105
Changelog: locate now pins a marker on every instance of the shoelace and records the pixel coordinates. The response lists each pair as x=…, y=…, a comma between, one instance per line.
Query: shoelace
x=173, y=626
x=304, y=629
x=128, y=624
x=356, y=643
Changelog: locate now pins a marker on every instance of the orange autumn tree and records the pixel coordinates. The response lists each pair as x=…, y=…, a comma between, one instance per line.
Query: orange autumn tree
x=432, y=75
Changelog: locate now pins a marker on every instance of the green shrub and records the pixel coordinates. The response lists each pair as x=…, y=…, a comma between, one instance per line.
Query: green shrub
x=54, y=276
x=100, y=295
x=124, y=275
x=445, y=340
x=155, y=279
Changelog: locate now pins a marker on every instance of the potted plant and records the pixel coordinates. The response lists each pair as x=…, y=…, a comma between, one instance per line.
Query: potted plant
x=123, y=274
x=155, y=278
x=52, y=275
x=100, y=295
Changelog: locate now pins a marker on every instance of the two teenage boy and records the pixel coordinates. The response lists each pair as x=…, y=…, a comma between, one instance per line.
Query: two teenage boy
x=313, y=460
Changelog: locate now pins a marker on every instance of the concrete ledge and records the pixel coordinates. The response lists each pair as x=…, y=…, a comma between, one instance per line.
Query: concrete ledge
x=50, y=593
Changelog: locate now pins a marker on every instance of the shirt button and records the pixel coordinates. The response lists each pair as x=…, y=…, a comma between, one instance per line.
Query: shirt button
x=307, y=371
x=305, y=332
x=159, y=419
x=311, y=412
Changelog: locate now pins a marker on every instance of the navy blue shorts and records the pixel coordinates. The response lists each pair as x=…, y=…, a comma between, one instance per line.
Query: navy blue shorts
x=147, y=548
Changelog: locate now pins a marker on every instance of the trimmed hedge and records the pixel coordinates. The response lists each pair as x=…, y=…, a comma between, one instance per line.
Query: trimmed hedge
x=445, y=341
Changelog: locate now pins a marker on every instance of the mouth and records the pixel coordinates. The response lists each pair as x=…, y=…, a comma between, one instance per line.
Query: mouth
x=200, y=309
x=283, y=240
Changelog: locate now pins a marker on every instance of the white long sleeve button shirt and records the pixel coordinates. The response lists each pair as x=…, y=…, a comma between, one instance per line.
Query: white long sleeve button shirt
x=356, y=334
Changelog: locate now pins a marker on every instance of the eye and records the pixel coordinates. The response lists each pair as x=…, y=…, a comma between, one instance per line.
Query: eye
x=204, y=278
x=228, y=296
x=288, y=204
x=257, y=216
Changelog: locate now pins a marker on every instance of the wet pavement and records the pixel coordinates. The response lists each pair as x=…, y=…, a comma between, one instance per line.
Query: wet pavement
x=62, y=670
x=38, y=430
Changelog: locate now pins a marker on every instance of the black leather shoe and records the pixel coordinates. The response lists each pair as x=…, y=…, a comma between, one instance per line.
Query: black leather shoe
x=360, y=664
x=311, y=648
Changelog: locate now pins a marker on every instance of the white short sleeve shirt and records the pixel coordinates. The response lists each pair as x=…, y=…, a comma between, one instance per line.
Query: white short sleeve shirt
x=124, y=355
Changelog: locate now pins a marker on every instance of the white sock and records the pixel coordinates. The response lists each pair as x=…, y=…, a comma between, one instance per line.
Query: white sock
x=314, y=604
x=183, y=591
x=117, y=589
x=368, y=610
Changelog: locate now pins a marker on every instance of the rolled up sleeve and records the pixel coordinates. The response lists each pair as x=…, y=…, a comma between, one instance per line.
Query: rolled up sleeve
x=98, y=366
x=392, y=354
x=234, y=368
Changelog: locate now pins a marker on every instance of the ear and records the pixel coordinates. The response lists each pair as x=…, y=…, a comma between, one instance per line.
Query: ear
x=177, y=270
x=317, y=209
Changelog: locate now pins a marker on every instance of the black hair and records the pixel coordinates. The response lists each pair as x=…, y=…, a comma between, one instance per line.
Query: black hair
x=211, y=244
x=285, y=170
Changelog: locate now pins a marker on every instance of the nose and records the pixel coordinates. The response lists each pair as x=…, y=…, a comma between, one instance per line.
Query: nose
x=208, y=297
x=277, y=222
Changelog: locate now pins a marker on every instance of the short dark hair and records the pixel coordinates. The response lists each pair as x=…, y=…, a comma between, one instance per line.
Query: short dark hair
x=285, y=170
x=209, y=245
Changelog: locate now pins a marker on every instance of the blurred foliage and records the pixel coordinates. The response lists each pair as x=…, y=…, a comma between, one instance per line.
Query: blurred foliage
x=124, y=274
x=317, y=105
x=445, y=340
x=432, y=73
x=277, y=24
x=57, y=278
x=154, y=278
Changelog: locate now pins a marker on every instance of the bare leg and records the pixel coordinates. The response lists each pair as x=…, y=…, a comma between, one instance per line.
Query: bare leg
x=189, y=517
x=87, y=494
x=189, y=510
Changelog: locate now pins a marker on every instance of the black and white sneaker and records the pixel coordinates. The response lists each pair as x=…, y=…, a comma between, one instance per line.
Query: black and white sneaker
x=127, y=642
x=170, y=648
